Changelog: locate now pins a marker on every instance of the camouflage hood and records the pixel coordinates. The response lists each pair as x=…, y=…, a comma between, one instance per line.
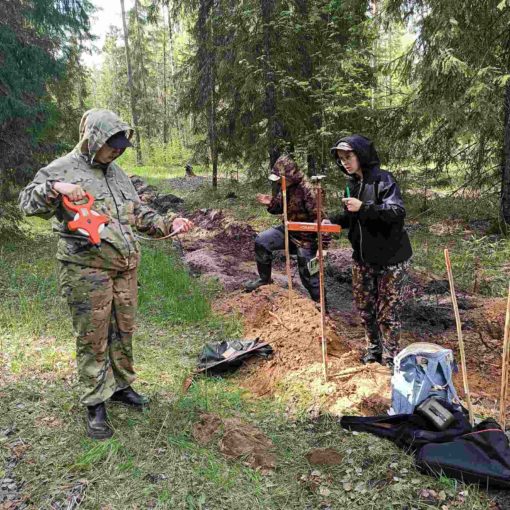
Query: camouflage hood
x=286, y=166
x=96, y=126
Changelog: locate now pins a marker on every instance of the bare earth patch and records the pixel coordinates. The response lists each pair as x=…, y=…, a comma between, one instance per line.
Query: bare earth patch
x=237, y=440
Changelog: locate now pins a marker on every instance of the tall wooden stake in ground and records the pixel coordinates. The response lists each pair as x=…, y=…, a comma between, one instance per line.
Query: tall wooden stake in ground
x=324, y=344
x=298, y=226
x=504, y=366
x=459, y=334
x=287, y=248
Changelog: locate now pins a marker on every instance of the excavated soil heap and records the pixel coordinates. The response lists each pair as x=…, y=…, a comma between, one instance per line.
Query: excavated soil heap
x=236, y=440
x=218, y=247
x=297, y=361
x=354, y=388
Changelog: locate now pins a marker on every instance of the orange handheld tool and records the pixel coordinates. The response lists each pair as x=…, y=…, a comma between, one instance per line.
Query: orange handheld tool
x=86, y=221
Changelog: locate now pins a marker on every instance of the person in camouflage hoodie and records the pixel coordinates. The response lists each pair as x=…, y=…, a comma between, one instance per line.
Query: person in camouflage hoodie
x=99, y=283
x=301, y=206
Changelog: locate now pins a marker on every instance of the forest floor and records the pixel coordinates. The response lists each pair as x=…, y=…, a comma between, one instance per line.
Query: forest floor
x=188, y=450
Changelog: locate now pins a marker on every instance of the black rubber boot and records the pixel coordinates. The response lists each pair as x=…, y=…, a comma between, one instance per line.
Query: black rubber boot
x=388, y=362
x=129, y=397
x=371, y=357
x=264, y=277
x=97, y=422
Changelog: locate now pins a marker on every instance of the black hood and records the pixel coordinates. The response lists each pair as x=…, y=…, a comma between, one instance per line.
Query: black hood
x=363, y=148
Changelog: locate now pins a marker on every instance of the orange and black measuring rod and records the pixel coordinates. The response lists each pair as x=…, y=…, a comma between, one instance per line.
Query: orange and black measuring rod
x=301, y=226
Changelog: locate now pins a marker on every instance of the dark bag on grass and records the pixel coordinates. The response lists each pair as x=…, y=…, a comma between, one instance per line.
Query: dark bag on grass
x=409, y=431
x=229, y=355
x=481, y=456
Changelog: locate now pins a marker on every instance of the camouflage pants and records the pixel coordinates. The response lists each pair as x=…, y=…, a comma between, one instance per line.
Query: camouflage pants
x=378, y=296
x=103, y=306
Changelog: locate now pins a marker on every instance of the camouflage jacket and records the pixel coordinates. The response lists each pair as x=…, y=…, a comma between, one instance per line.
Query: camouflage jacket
x=301, y=200
x=114, y=194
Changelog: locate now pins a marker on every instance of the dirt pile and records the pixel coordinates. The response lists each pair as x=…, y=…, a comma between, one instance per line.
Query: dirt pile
x=295, y=337
x=161, y=203
x=352, y=387
x=324, y=457
x=488, y=318
x=236, y=440
x=220, y=248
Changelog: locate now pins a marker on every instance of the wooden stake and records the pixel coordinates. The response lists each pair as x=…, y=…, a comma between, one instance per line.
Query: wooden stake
x=504, y=366
x=321, y=279
x=287, y=248
x=459, y=334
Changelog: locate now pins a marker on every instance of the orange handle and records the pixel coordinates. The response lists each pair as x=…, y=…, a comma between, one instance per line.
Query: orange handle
x=75, y=207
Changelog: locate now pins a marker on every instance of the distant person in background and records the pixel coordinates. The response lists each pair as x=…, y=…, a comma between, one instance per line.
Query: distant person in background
x=373, y=211
x=99, y=284
x=301, y=206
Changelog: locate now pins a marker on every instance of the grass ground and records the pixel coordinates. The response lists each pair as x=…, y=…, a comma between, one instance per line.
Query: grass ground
x=153, y=461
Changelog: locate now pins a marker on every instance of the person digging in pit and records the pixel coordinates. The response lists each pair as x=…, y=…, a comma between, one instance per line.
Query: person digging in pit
x=373, y=211
x=301, y=206
x=99, y=284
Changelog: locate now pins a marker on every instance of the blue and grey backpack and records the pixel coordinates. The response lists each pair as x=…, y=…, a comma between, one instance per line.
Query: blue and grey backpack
x=422, y=370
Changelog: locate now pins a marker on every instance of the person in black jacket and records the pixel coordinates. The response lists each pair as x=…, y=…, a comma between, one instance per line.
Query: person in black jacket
x=374, y=214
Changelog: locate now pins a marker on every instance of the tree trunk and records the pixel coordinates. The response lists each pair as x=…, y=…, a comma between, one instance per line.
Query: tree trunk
x=505, y=177
x=269, y=104
x=165, y=92
x=139, y=76
x=213, y=135
x=175, y=118
x=505, y=166
x=373, y=59
x=207, y=76
x=306, y=72
x=134, y=113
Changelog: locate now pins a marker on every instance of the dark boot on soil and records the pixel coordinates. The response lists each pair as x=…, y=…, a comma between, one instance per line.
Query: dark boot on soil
x=255, y=284
x=97, y=422
x=316, y=297
x=264, y=278
x=371, y=357
x=129, y=397
x=388, y=362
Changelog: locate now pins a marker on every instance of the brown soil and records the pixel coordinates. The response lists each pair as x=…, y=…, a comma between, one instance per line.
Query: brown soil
x=207, y=428
x=324, y=456
x=295, y=336
x=237, y=440
x=241, y=440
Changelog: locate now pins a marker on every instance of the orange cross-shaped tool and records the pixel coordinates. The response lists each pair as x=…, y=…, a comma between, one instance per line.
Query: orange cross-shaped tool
x=86, y=221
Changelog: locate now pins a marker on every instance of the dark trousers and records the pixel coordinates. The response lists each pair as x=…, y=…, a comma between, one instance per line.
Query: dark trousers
x=274, y=239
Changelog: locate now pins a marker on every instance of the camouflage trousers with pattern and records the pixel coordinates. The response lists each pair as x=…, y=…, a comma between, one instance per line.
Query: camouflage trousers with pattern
x=378, y=296
x=103, y=306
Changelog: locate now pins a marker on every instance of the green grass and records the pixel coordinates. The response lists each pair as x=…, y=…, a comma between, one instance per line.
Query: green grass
x=167, y=293
x=153, y=460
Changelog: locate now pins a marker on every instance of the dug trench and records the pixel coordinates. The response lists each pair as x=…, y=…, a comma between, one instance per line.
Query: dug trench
x=221, y=248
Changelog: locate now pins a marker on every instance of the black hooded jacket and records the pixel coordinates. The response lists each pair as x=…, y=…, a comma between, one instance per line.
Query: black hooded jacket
x=376, y=231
